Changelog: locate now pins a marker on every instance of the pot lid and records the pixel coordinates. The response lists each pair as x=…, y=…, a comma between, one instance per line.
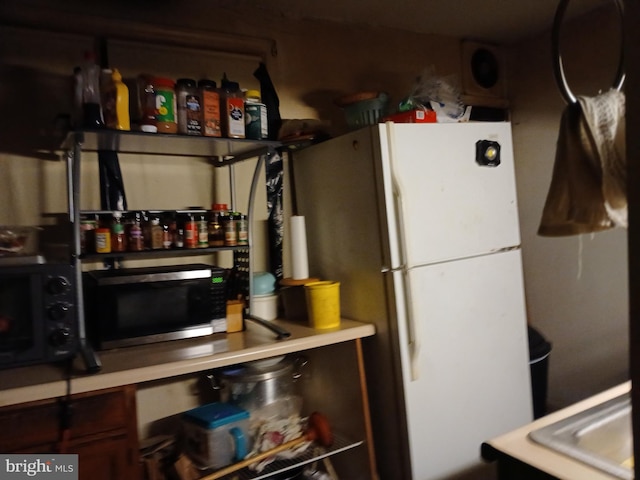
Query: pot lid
x=256, y=372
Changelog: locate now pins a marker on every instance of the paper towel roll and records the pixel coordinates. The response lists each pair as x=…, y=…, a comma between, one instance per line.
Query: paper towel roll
x=299, y=259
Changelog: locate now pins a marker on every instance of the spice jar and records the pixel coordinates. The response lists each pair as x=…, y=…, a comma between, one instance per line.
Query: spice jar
x=190, y=231
x=210, y=99
x=256, y=116
x=189, y=108
x=203, y=230
x=165, y=105
x=229, y=226
x=103, y=240
x=216, y=232
x=156, y=232
x=135, y=239
x=232, y=115
x=242, y=228
x=118, y=237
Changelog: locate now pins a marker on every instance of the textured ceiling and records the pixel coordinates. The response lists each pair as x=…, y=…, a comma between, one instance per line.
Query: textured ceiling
x=498, y=21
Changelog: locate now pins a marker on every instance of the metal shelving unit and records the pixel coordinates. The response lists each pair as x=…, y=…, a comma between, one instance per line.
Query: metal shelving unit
x=221, y=152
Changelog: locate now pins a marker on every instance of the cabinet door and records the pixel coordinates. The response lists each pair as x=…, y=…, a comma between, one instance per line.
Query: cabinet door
x=106, y=459
x=103, y=431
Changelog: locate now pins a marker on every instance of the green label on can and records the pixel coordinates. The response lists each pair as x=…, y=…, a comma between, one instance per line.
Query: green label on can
x=165, y=105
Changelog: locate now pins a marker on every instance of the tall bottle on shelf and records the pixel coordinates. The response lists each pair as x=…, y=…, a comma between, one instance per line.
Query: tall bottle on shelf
x=91, y=110
x=115, y=102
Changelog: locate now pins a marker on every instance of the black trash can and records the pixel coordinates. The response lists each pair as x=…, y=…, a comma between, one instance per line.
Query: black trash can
x=539, y=351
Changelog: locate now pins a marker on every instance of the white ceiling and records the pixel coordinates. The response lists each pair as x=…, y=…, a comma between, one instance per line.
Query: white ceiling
x=499, y=21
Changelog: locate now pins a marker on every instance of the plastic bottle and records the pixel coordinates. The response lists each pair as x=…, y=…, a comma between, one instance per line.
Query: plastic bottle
x=232, y=115
x=148, y=110
x=210, y=108
x=165, y=105
x=91, y=111
x=189, y=107
x=256, y=116
x=116, y=102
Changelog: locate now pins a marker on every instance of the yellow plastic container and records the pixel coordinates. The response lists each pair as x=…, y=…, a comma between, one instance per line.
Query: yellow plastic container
x=323, y=304
x=116, y=103
x=122, y=102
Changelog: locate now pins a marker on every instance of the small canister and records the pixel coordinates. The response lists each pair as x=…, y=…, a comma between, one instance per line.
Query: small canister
x=189, y=107
x=210, y=108
x=103, y=240
x=232, y=106
x=256, y=115
x=190, y=230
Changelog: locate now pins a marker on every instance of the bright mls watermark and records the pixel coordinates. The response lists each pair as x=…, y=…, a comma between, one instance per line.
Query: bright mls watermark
x=38, y=466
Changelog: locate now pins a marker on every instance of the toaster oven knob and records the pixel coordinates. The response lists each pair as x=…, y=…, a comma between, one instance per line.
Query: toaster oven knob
x=59, y=337
x=58, y=311
x=57, y=285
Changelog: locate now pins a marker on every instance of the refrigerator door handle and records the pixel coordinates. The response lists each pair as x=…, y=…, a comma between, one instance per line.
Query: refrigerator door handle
x=412, y=328
x=413, y=335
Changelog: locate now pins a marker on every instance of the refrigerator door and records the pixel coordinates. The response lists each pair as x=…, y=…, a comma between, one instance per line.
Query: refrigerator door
x=450, y=204
x=474, y=380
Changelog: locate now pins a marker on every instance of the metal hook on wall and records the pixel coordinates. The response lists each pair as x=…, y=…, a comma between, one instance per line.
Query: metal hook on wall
x=558, y=70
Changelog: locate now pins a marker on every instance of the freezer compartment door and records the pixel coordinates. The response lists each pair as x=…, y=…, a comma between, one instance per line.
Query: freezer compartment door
x=453, y=201
x=472, y=357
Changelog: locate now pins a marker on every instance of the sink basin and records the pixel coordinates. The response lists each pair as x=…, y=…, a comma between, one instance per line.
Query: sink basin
x=599, y=436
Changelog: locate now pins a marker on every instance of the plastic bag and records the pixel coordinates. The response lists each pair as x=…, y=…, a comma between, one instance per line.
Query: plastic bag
x=438, y=93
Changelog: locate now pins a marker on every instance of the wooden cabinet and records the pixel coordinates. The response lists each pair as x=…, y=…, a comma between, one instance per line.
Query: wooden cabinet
x=102, y=431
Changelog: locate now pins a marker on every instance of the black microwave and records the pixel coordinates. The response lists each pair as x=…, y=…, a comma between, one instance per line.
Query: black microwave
x=134, y=306
x=38, y=315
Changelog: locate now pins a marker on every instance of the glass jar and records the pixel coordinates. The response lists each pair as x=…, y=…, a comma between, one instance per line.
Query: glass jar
x=118, y=237
x=156, y=232
x=216, y=232
x=190, y=231
x=135, y=238
x=229, y=226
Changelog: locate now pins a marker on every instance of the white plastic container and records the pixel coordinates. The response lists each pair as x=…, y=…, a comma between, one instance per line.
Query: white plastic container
x=217, y=434
x=265, y=306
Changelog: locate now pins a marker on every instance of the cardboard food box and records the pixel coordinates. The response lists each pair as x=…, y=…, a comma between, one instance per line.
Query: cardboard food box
x=412, y=116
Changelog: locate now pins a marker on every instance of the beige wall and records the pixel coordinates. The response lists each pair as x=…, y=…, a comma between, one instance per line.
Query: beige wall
x=576, y=287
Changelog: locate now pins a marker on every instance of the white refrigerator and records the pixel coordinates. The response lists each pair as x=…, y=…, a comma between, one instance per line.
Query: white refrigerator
x=419, y=223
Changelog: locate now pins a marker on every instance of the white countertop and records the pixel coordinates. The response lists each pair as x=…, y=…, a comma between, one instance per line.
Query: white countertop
x=517, y=444
x=132, y=365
